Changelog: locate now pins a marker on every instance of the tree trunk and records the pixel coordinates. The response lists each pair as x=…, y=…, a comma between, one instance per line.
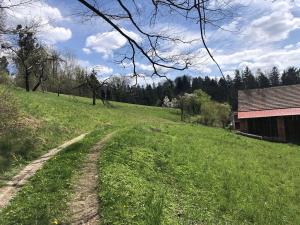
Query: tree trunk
x=27, y=80
x=94, y=97
x=37, y=85
x=181, y=112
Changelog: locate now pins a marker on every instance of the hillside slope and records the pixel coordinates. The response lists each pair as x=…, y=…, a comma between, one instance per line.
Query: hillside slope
x=157, y=170
x=53, y=120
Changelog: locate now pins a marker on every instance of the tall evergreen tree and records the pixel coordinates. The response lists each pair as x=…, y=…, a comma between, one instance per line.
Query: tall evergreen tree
x=274, y=76
x=290, y=76
x=223, y=90
x=178, y=85
x=236, y=86
x=186, y=84
x=197, y=83
x=238, y=81
x=262, y=79
x=248, y=79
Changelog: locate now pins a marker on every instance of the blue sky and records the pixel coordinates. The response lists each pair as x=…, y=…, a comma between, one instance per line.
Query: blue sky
x=263, y=34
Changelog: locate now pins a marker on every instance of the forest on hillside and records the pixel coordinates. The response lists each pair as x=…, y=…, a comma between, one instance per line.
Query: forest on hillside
x=50, y=74
x=27, y=62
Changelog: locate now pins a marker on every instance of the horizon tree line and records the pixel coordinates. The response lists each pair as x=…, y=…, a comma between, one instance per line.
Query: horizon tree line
x=39, y=67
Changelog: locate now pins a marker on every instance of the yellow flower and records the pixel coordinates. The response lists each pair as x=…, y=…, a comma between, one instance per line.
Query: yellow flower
x=55, y=221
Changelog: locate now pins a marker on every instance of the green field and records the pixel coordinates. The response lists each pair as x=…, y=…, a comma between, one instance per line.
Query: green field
x=57, y=119
x=155, y=170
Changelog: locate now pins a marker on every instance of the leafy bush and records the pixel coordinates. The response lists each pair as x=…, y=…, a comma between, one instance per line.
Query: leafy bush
x=4, y=78
x=198, y=107
x=170, y=104
x=189, y=105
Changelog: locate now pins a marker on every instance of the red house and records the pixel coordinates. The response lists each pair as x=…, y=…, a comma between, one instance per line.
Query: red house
x=271, y=113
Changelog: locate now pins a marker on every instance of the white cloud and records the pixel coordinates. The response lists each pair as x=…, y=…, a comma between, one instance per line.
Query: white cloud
x=145, y=67
x=261, y=58
x=52, y=34
x=275, y=26
x=259, y=23
x=108, y=42
x=100, y=69
x=43, y=14
x=258, y=37
x=86, y=50
x=103, y=69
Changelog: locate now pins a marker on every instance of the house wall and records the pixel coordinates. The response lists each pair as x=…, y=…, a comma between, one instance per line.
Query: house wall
x=292, y=128
x=244, y=125
x=272, y=128
x=281, y=129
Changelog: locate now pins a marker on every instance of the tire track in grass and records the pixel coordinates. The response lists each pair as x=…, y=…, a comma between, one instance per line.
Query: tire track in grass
x=84, y=205
x=8, y=191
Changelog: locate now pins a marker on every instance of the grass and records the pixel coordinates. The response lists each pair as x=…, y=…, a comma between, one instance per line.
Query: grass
x=184, y=174
x=156, y=170
x=55, y=120
x=44, y=199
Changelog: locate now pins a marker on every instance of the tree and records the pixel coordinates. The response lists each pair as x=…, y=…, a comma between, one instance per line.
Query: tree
x=178, y=86
x=4, y=73
x=274, y=76
x=42, y=69
x=168, y=89
x=153, y=50
x=262, y=79
x=119, y=88
x=27, y=53
x=223, y=114
x=236, y=86
x=188, y=105
x=94, y=85
x=223, y=90
x=197, y=83
x=9, y=6
x=3, y=64
x=248, y=79
x=186, y=83
x=290, y=76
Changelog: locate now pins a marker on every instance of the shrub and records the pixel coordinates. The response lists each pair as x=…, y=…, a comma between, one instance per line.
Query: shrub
x=170, y=104
x=166, y=102
x=199, y=108
x=223, y=114
x=188, y=105
x=4, y=78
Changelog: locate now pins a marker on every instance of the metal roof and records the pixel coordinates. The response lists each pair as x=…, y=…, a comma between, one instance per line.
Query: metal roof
x=269, y=102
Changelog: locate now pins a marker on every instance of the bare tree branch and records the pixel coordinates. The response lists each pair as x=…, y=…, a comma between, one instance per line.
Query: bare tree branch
x=198, y=11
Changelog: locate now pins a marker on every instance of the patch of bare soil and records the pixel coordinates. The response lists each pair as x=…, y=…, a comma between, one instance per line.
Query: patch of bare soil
x=8, y=191
x=84, y=204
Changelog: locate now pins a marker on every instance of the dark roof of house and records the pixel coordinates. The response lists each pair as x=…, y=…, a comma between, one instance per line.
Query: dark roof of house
x=272, y=101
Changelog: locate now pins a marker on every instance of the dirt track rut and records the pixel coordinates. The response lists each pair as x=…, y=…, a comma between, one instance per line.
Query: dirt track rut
x=84, y=203
x=9, y=190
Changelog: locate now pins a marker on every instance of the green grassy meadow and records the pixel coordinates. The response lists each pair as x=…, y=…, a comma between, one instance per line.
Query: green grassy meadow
x=184, y=174
x=156, y=169
x=55, y=120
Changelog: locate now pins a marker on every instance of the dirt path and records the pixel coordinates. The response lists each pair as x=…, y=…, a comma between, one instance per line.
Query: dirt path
x=8, y=191
x=84, y=203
